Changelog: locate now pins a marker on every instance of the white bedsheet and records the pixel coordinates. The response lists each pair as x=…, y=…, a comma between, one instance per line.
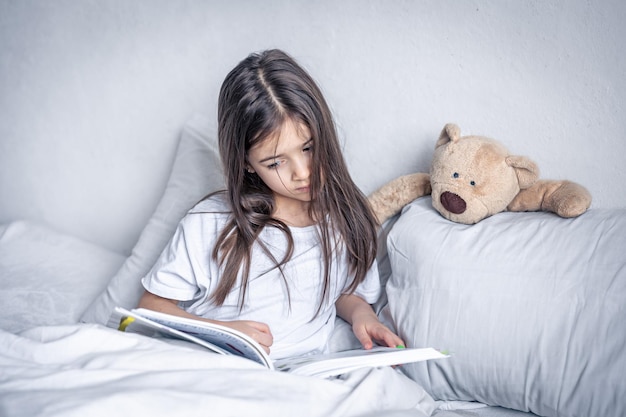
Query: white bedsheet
x=90, y=370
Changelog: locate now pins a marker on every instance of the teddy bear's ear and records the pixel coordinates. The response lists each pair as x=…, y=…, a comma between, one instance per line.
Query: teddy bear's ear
x=450, y=133
x=526, y=170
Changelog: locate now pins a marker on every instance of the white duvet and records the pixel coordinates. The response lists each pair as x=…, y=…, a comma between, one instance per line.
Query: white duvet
x=50, y=366
x=90, y=370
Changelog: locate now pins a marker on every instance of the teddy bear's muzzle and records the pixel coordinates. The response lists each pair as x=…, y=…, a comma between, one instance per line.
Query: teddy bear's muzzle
x=452, y=202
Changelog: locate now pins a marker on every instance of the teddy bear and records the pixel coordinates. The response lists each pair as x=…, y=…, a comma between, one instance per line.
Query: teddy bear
x=474, y=177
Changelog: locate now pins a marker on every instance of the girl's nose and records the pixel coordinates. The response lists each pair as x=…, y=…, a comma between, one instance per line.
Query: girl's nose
x=301, y=169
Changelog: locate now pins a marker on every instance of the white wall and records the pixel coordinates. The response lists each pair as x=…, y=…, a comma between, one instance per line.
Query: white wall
x=93, y=93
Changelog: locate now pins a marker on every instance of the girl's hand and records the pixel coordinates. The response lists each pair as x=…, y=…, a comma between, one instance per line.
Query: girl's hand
x=259, y=332
x=369, y=329
x=365, y=324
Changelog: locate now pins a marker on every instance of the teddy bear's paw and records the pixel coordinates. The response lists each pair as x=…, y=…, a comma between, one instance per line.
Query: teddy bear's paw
x=389, y=199
x=570, y=200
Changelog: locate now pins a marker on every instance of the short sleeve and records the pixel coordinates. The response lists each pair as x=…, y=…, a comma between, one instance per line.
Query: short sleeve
x=173, y=275
x=370, y=289
x=185, y=270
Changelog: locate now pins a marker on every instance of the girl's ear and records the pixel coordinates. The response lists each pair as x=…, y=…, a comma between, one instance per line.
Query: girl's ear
x=249, y=169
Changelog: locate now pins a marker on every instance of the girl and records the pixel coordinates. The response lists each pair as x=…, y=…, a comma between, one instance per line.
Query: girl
x=291, y=243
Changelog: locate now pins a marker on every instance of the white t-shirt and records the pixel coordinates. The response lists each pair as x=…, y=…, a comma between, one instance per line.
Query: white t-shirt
x=185, y=271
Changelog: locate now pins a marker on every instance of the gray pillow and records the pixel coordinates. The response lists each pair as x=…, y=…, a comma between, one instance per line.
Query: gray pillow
x=531, y=306
x=196, y=172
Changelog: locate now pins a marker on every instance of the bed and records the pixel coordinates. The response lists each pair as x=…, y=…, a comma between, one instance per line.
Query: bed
x=530, y=306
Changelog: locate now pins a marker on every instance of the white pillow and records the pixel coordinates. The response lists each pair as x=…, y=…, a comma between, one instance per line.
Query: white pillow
x=47, y=277
x=531, y=306
x=196, y=172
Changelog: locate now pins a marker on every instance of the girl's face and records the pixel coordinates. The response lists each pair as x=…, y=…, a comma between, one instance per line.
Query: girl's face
x=283, y=162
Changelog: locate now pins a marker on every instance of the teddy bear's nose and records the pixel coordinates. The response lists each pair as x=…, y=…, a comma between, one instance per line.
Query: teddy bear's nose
x=452, y=202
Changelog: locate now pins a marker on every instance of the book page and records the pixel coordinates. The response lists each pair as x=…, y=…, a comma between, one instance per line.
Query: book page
x=219, y=339
x=342, y=362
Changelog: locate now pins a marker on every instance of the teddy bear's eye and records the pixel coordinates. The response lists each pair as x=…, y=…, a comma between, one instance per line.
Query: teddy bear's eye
x=455, y=175
x=472, y=183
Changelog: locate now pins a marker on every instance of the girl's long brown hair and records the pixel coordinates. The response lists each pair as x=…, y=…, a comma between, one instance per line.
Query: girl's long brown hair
x=256, y=98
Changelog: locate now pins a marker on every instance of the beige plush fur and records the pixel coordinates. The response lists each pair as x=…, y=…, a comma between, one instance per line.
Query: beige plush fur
x=474, y=177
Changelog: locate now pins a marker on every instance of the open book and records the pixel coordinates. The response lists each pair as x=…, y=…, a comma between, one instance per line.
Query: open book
x=227, y=341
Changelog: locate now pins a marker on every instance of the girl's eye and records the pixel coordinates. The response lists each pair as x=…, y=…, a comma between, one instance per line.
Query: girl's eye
x=274, y=165
x=307, y=149
x=455, y=175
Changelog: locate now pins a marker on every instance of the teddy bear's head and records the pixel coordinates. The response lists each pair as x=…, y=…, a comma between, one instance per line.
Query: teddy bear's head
x=473, y=177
